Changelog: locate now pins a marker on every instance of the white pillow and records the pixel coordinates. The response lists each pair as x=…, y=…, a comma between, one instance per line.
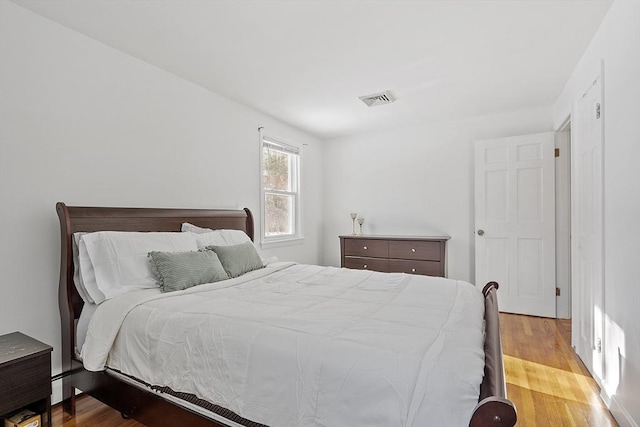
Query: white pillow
x=188, y=227
x=120, y=261
x=83, y=275
x=88, y=275
x=208, y=237
x=77, y=277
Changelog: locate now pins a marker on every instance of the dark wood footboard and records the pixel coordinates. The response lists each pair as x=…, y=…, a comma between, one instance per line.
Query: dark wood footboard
x=493, y=408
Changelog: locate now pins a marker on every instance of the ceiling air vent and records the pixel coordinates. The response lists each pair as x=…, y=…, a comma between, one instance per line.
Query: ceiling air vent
x=378, y=99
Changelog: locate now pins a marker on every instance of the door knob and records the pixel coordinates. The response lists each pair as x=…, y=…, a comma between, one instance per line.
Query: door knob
x=480, y=232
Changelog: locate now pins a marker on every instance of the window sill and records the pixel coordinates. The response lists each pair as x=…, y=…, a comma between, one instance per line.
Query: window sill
x=270, y=244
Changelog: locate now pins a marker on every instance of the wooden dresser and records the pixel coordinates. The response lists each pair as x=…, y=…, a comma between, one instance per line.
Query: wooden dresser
x=424, y=255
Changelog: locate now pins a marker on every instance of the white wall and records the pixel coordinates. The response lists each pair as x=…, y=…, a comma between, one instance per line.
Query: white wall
x=617, y=42
x=415, y=180
x=88, y=125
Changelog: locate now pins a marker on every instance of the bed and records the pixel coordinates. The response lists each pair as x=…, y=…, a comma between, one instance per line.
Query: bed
x=167, y=406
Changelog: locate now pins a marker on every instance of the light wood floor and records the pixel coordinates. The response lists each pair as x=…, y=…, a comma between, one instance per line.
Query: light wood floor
x=545, y=379
x=548, y=383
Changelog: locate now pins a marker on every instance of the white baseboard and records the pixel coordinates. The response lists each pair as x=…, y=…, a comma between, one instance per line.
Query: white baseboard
x=618, y=411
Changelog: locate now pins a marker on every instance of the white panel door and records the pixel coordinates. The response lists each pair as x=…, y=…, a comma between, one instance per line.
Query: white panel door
x=587, y=218
x=515, y=221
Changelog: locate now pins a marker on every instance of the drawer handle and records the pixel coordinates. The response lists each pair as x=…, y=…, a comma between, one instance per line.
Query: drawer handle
x=366, y=247
x=413, y=270
x=365, y=266
x=413, y=250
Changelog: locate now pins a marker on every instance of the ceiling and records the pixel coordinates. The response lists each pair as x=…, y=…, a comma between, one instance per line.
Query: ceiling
x=306, y=62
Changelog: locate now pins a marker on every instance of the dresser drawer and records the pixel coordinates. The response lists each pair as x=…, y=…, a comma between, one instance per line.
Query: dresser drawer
x=406, y=249
x=25, y=382
x=427, y=268
x=366, y=248
x=360, y=263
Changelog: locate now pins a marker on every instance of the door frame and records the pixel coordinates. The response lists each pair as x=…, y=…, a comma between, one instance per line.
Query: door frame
x=563, y=220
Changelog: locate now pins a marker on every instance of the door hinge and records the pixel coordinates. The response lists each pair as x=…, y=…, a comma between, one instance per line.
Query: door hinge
x=599, y=345
x=597, y=110
x=557, y=291
x=557, y=152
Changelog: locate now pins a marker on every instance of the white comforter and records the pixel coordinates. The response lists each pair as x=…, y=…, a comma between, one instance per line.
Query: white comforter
x=301, y=345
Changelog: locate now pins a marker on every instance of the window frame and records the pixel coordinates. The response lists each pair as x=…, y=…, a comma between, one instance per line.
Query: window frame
x=296, y=237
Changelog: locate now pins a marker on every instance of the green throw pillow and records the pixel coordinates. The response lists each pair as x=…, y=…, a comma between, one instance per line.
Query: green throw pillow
x=181, y=270
x=238, y=259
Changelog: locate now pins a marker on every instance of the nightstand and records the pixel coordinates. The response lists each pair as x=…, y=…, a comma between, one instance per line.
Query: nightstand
x=25, y=375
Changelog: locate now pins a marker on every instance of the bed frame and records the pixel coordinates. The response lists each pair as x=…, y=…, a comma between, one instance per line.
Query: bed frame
x=150, y=408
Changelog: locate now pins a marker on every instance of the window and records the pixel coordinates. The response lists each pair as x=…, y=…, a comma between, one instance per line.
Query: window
x=280, y=191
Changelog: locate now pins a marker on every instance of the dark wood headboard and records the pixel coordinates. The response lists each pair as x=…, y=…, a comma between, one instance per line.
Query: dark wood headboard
x=88, y=219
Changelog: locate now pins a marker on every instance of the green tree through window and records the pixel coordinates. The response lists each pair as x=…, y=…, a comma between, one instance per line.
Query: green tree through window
x=280, y=173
